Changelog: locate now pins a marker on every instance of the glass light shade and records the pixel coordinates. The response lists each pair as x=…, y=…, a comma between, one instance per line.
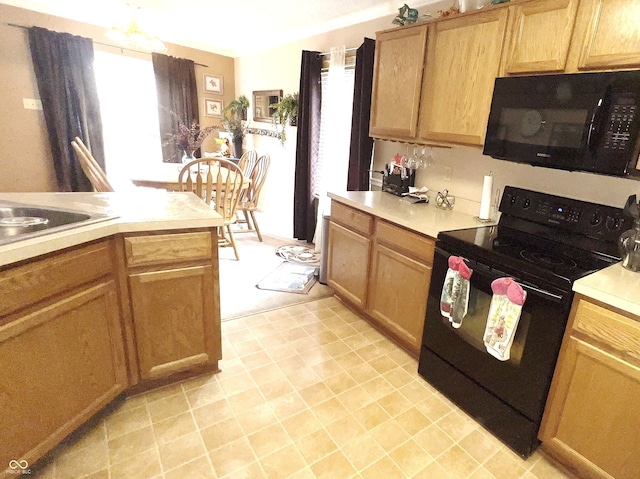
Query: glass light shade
x=131, y=35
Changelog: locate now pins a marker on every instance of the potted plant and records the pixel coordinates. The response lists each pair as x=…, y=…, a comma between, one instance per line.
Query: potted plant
x=187, y=138
x=286, y=112
x=233, y=120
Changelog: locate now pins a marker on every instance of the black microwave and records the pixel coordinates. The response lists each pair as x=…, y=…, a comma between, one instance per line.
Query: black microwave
x=583, y=121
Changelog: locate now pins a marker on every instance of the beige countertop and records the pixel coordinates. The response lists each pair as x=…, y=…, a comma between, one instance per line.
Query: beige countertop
x=422, y=218
x=136, y=210
x=614, y=285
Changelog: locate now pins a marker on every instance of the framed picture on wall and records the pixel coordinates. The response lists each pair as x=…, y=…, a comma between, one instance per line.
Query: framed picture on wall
x=213, y=83
x=213, y=107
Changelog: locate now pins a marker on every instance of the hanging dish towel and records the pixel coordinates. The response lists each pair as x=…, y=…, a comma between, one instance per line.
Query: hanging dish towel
x=504, y=315
x=454, y=298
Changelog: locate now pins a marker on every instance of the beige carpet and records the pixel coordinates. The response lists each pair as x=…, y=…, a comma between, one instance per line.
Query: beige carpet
x=239, y=295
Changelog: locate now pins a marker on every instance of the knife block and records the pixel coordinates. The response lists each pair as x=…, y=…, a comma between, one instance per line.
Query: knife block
x=396, y=185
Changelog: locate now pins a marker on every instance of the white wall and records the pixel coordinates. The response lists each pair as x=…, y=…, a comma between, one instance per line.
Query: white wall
x=279, y=68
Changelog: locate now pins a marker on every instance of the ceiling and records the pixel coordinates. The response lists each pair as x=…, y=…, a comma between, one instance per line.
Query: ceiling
x=231, y=27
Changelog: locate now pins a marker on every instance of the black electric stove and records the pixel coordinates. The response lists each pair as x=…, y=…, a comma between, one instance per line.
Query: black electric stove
x=557, y=239
x=544, y=243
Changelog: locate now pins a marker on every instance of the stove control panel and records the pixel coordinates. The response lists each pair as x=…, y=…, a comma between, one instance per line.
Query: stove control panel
x=590, y=219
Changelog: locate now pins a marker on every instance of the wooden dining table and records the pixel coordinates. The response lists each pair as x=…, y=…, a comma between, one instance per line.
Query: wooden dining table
x=163, y=176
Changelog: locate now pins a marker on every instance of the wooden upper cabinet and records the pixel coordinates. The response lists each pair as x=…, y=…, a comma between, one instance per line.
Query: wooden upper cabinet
x=463, y=60
x=397, y=79
x=433, y=82
x=607, y=35
x=539, y=36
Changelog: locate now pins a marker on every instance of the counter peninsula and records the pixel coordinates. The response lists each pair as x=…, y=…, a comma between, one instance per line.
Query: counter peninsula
x=91, y=313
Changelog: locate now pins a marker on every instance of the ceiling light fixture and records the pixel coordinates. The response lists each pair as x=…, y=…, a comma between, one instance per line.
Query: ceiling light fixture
x=129, y=34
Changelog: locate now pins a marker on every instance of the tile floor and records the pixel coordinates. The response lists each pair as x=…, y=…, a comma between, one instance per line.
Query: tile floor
x=307, y=391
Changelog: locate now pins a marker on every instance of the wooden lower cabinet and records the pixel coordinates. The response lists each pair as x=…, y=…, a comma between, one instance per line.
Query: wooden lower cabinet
x=173, y=319
x=82, y=326
x=62, y=355
x=175, y=304
x=398, y=292
x=383, y=270
x=348, y=264
x=592, y=415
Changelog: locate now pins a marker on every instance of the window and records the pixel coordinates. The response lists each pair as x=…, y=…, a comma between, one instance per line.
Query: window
x=129, y=109
x=335, y=130
x=335, y=127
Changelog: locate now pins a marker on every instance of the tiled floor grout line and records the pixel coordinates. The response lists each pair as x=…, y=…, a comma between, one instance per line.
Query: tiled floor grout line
x=362, y=387
x=157, y=444
x=279, y=420
x=324, y=428
x=199, y=430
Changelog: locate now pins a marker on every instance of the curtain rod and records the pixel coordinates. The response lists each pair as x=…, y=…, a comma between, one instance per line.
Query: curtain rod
x=107, y=45
x=345, y=50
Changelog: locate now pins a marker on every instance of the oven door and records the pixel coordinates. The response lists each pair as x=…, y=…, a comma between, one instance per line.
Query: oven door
x=523, y=381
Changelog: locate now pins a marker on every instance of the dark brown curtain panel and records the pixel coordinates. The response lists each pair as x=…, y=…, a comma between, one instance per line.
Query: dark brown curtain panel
x=361, y=143
x=177, y=93
x=63, y=65
x=309, y=103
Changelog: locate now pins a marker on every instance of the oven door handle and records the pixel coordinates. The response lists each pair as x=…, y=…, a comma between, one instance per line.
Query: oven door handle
x=541, y=292
x=494, y=273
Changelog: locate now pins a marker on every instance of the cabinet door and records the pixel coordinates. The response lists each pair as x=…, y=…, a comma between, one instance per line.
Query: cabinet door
x=463, y=60
x=60, y=365
x=174, y=320
x=606, y=34
x=539, y=36
x=592, y=421
x=398, y=291
x=397, y=78
x=348, y=264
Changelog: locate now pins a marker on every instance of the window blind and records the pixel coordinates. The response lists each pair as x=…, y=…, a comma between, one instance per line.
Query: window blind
x=331, y=113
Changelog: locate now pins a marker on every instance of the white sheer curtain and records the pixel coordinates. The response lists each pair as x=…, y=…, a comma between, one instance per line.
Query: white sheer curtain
x=335, y=133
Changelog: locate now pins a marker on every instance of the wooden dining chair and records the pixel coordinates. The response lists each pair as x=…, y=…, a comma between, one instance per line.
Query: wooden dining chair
x=90, y=166
x=247, y=162
x=249, y=201
x=219, y=183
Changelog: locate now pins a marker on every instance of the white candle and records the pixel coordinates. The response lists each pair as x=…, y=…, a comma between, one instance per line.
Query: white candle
x=485, y=202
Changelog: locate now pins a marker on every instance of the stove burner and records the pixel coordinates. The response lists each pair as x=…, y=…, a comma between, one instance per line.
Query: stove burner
x=23, y=221
x=547, y=259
